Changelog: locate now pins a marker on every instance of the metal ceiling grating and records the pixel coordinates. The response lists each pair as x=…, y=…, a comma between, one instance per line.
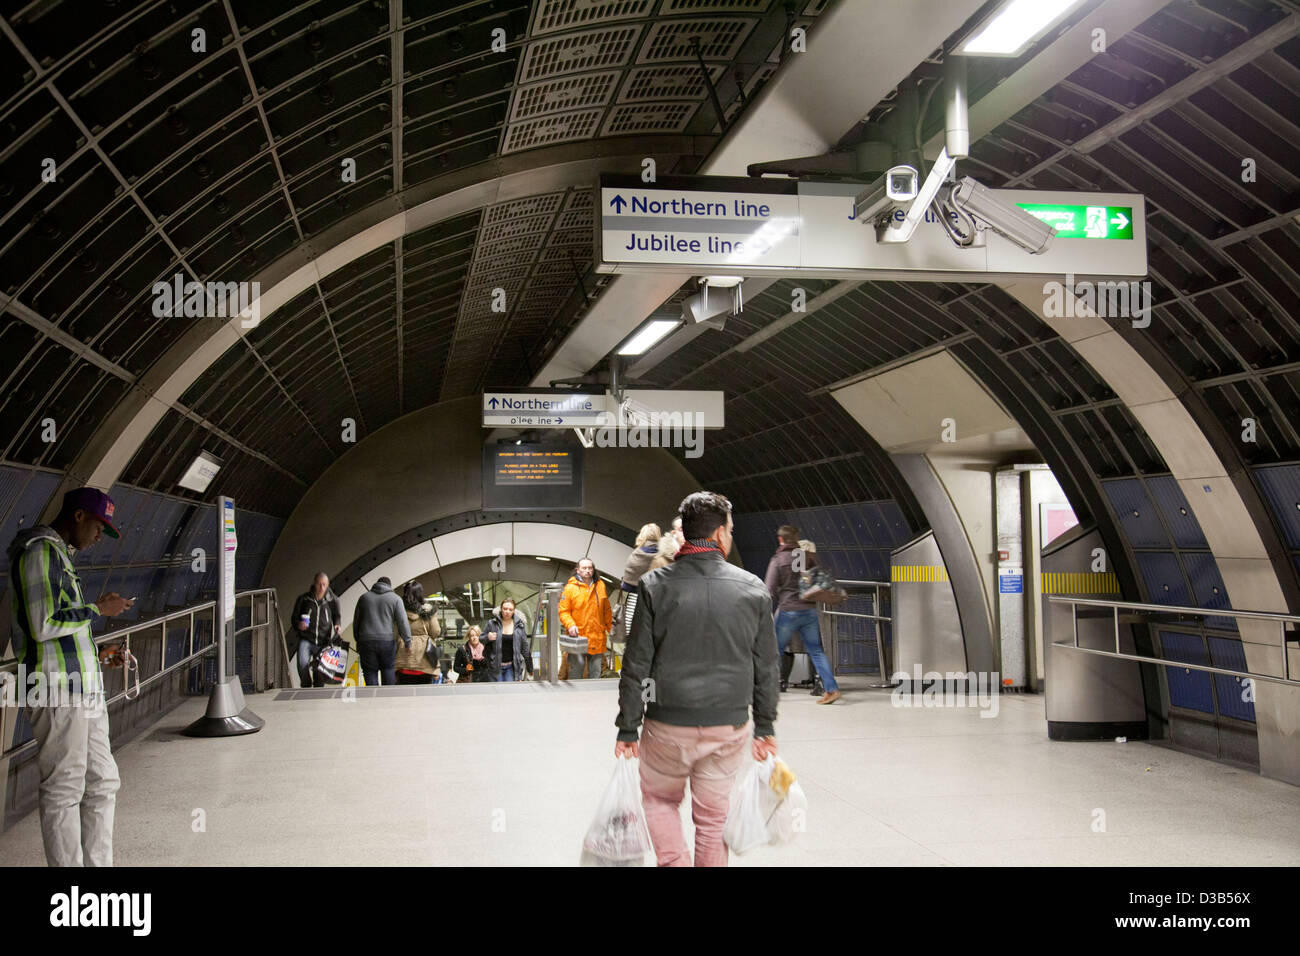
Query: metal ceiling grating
x=648, y=118
x=558, y=96
x=541, y=205
x=548, y=130
x=553, y=15
x=508, y=228
x=511, y=246
x=589, y=50
x=494, y=273
x=574, y=219
x=553, y=254
x=714, y=6
x=581, y=199
x=667, y=83
x=719, y=39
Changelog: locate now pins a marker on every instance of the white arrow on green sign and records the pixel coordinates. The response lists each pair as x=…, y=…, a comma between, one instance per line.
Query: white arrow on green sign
x=1084, y=222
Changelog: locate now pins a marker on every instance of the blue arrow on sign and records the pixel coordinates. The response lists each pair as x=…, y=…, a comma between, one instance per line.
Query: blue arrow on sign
x=493, y=402
x=618, y=202
x=559, y=421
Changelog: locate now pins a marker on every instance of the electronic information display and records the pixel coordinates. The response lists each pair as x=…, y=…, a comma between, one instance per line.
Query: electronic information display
x=535, y=475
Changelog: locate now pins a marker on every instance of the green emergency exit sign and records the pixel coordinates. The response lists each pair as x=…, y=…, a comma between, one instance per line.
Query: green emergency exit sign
x=1084, y=222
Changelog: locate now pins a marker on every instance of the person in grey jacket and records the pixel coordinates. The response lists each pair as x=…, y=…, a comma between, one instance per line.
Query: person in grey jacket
x=378, y=612
x=700, y=653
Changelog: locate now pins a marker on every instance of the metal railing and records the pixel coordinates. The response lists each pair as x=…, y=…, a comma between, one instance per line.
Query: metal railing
x=878, y=643
x=1281, y=620
x=270, y=665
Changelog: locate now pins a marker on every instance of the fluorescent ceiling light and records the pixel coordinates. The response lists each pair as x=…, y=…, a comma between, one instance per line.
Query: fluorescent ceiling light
x=201, y=472
x=1015, y=26
x=723, y=282
x=540, y=558
x=648, y=336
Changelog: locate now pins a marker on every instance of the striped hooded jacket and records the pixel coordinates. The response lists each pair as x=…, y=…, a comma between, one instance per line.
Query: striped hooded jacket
x=51, y=620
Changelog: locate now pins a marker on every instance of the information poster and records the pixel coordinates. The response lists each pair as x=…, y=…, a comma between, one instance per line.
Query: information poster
x=228, y=546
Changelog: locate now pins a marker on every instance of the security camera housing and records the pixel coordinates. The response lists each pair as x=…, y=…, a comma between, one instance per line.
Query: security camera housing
x=978, y=201
x=902, y=183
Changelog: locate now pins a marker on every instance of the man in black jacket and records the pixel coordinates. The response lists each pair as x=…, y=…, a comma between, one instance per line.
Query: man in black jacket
x=316, y=621
x=701, y=651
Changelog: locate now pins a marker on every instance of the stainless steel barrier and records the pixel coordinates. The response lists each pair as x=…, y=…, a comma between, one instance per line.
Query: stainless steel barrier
x=830, y=623
x=270, y=662
x=1282, y=620
x=548, y=616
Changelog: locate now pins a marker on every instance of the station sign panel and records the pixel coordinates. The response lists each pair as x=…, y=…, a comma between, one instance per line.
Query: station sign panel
x=540, y=408
x=719, y=225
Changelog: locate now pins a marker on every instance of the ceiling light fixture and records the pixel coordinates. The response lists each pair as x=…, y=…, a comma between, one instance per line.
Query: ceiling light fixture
x=648, y=336
x=1015, y=25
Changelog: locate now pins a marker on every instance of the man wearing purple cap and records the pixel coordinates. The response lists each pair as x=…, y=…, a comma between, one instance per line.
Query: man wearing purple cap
x=63, y=685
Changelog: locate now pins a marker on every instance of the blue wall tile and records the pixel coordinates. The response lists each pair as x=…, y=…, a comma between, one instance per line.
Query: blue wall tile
x=1164, y=578
x=1281, y=487
x=1182, y=524
x=1187, y=688
x=1137, y=516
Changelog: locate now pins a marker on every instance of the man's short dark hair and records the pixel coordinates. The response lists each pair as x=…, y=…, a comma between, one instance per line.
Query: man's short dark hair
x=702, y=513
x=788, y=533
x=385, y=581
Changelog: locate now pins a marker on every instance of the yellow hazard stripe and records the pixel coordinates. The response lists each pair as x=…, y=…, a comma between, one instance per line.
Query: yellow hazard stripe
x=918, y=573
x=1080, y=582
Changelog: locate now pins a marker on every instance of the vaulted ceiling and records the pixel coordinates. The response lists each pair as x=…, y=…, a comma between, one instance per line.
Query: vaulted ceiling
x=209, y=139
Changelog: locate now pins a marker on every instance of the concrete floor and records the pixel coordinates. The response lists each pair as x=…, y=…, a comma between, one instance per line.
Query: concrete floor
x=510, y=775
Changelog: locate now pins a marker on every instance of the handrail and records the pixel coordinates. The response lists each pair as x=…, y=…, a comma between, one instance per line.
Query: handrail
x=122, y=635
x=1179, y=609
x=875, y=588
x=1115, y=606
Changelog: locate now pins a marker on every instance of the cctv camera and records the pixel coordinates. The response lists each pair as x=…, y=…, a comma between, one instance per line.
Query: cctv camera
x=902, y=183
x=873, y=203
x=978, y=201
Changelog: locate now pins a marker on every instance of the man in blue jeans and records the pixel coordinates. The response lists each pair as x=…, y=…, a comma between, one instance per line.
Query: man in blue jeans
x=793, y=613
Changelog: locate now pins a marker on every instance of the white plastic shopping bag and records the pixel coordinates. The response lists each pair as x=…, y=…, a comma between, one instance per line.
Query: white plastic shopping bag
x=619, y=836
x=767, y=806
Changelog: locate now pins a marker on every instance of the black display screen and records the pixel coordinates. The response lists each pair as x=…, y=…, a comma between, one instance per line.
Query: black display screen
x=539, y=475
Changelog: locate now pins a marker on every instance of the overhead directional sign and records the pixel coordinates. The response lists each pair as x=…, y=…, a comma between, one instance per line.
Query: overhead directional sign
x=713, y=227
x=702, y=225
x=525, y=408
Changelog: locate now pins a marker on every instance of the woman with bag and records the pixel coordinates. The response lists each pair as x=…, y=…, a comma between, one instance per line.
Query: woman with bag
x=416, y=662
x=507, y=639
x=473, y=661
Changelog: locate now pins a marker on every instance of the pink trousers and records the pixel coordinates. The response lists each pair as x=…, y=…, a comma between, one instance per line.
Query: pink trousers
x=710, y=757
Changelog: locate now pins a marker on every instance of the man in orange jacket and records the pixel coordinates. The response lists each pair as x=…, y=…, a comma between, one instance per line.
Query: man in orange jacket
x=585, y=612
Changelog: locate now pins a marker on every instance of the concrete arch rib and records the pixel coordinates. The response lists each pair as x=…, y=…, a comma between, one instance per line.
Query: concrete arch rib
x=121, y=433
x=521, y=540
x=1234, y=539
